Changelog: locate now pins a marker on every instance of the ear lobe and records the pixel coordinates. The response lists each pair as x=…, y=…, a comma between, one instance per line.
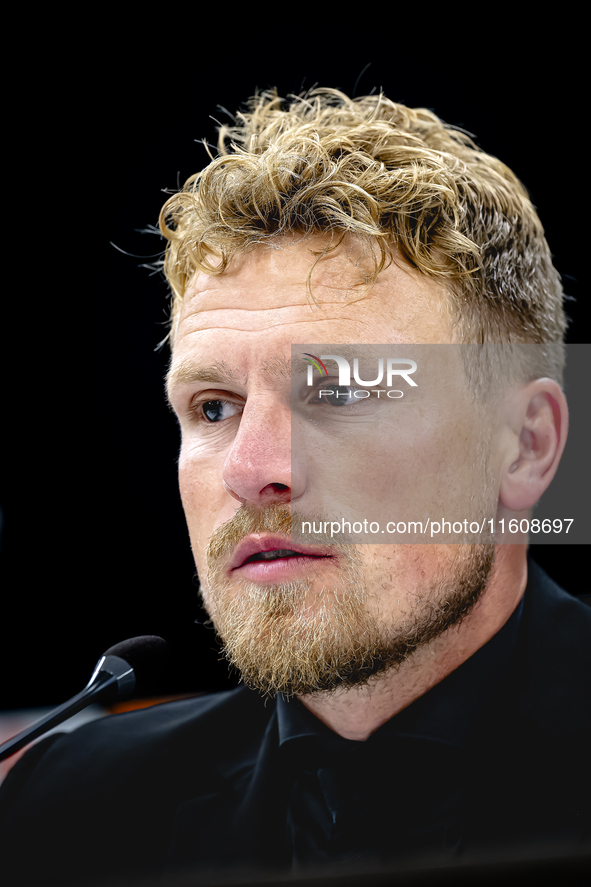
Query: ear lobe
x=538, y=418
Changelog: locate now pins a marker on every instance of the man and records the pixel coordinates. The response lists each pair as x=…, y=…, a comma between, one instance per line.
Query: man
x=411, y=703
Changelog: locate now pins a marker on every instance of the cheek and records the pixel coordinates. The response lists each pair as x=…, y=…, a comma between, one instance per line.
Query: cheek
x=401, y=579
x=200, y=478
x=201, y=494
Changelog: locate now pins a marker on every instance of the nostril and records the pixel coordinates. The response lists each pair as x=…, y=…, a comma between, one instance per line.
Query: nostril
x=275, y=491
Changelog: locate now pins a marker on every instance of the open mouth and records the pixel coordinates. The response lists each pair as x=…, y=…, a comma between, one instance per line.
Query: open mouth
x=262, y=554
x=278, y=553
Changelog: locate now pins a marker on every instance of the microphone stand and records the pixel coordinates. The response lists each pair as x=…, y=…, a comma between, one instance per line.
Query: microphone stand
x=110, y=674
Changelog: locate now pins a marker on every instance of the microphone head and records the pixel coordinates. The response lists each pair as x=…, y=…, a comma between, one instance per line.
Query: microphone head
x=148, y=656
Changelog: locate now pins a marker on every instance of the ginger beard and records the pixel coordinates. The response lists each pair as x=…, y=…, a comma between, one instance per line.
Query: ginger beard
x=316, y=635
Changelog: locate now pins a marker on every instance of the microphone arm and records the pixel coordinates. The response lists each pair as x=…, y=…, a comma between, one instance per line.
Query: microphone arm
x=113, y=678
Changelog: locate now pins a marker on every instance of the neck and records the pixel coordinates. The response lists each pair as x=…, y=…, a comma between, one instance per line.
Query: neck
x=358, y=712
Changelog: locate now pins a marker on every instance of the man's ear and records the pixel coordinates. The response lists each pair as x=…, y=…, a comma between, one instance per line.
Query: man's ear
x=537, y=420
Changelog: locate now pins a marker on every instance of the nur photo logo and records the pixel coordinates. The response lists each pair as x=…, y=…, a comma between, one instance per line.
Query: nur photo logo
x=388, y=368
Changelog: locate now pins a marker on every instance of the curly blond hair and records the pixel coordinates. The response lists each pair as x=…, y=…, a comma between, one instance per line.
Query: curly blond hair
x=399, y=178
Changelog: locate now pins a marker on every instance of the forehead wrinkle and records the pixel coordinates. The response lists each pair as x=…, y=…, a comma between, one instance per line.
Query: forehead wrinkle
x=333, y=296
x=203, y=309
x=358, y=321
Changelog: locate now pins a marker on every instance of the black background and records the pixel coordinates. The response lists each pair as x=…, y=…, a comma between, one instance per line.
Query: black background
x=94, y=546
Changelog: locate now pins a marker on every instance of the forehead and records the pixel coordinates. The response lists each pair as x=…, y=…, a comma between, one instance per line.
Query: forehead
x=261, y=303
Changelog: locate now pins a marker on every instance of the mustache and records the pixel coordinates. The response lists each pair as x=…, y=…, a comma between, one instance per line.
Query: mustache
x=279, y=519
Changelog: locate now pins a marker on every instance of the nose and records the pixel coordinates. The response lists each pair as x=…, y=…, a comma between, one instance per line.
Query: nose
x=258, y=469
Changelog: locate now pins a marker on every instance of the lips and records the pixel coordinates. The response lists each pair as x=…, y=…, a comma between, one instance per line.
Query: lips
x=268, y=548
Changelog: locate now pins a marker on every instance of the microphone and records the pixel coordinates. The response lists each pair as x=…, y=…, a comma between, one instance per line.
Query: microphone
x=126, y=668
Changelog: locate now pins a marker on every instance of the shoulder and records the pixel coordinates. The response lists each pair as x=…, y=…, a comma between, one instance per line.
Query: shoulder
x=531, y=783
x=553, y=666
x=208, y=722
x=159, y=743
x=552, y=613
x=123, y=778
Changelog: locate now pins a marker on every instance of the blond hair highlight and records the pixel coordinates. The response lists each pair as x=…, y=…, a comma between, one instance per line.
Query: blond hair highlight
x=396, y=177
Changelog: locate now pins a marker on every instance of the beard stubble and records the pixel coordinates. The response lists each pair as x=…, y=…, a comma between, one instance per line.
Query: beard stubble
x=318, y=635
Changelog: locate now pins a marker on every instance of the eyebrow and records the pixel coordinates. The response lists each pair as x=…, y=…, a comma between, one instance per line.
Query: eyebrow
x=188, y=371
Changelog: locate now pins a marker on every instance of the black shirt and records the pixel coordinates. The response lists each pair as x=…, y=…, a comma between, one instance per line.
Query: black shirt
x=367, y=803
x=489, y=765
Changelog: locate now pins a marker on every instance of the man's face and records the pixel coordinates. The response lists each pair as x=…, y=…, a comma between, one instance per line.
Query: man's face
x=335, y=614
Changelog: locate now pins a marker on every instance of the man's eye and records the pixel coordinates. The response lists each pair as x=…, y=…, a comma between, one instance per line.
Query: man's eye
x=218, y=410
x=337, y=396
x=342, y=396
